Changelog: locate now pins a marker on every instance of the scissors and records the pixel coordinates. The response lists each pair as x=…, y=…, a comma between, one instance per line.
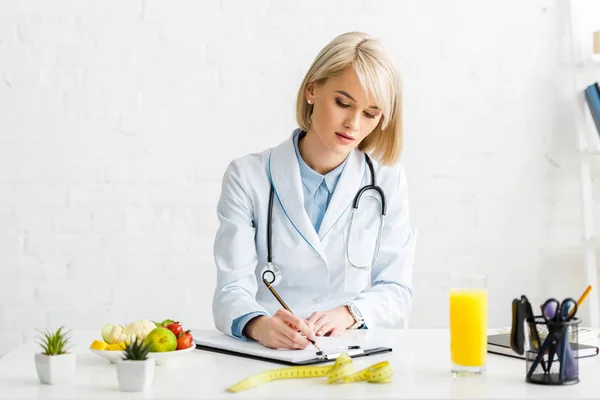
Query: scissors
x=555, y=314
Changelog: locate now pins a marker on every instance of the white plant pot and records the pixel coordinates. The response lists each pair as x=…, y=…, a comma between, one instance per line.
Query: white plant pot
x=57, y=369
x=135, y=376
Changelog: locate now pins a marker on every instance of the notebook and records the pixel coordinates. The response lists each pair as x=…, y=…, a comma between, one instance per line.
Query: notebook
x=500, y=344
x=331, y=348
x=584, y=334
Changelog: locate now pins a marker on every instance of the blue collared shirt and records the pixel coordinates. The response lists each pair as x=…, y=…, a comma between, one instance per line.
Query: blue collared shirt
x=317, y=190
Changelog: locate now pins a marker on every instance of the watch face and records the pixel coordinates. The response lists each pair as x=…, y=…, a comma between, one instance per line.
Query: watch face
x=356, y=311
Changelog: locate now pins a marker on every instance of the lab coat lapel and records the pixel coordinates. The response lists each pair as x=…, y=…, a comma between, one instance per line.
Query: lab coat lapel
x=347, y=187
x=285, y=175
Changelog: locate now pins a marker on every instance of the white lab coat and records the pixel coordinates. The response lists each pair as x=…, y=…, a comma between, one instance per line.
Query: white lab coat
x=316, y=274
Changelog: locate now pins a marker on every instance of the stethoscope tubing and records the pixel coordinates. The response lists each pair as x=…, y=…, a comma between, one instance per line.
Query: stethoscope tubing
x=275, y=273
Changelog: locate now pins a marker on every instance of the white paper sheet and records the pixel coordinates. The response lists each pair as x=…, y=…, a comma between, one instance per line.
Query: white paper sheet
x=224, y=342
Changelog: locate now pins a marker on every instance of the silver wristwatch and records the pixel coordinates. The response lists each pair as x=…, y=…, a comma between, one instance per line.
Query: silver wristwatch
x=357, y=315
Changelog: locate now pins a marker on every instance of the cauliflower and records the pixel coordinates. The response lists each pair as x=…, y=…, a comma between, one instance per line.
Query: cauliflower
x=116, y=335
x=138, y=329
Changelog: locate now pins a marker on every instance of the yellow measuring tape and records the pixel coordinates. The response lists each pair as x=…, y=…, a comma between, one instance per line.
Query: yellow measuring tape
x=342, y=371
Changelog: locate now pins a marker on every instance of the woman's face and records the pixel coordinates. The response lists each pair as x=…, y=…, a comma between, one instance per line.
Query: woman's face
x=343, y=114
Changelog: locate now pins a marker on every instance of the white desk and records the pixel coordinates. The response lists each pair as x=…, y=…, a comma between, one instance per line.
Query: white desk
x=420, y=361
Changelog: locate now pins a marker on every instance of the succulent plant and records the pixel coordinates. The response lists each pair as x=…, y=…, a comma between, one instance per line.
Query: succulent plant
x=136, y=350
x=54, y=343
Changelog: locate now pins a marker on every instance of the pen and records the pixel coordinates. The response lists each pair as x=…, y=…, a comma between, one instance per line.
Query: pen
x=280, y=300
x=581, y=299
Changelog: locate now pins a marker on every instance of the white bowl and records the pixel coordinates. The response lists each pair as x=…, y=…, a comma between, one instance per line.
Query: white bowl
x=161, y=358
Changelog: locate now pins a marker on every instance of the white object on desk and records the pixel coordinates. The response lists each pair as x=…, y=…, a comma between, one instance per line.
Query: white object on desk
x=135, y=375
x=55, y=369
x=326, y=344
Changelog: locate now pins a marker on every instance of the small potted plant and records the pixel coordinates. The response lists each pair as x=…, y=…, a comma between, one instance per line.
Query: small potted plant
x=55, y=364
x=135, y=371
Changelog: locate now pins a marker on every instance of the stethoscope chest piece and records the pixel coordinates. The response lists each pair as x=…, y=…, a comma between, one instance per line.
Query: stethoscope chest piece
x=272, y=274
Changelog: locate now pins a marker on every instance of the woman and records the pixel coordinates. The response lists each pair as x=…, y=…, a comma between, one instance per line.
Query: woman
x=348, y=105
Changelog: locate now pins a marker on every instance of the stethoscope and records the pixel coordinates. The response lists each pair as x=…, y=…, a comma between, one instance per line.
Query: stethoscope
x=272, y=274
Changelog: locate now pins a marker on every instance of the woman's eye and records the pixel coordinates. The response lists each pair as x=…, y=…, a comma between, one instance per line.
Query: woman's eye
x=343, y=105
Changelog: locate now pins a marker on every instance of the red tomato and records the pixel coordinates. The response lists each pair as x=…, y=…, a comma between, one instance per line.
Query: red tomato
x=176, y=328
x=184, y=341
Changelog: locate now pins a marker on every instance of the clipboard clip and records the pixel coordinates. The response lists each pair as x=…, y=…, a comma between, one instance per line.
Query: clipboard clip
x=335, y=353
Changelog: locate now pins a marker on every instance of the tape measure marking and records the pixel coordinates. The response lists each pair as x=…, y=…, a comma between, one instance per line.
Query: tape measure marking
x=342, y=371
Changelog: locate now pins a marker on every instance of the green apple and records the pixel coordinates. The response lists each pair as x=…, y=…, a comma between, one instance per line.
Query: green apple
x=106, y=332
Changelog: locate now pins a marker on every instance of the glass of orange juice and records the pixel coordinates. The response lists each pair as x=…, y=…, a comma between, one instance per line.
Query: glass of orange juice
x=468, y=323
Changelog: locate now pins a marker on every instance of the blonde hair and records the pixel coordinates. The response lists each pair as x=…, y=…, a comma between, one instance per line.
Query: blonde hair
x=377, y=76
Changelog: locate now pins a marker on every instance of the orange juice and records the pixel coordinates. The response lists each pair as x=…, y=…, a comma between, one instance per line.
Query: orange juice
x=468, y=327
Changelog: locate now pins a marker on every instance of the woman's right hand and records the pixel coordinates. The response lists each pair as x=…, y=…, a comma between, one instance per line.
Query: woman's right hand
x=283, y=330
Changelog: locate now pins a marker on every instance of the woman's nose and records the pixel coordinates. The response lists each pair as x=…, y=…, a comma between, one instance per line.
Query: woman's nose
x=352, y=121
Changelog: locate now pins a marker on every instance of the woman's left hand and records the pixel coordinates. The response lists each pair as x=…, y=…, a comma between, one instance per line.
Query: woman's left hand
x=332, y=322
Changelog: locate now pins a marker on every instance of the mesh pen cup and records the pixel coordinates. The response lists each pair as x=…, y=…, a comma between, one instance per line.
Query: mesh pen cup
x=558, y=337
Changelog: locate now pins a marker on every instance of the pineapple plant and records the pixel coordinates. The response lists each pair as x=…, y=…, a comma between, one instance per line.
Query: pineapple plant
x=135, y=372
x=55, y=364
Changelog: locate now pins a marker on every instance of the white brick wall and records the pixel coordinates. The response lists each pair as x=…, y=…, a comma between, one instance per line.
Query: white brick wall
x=118, y=118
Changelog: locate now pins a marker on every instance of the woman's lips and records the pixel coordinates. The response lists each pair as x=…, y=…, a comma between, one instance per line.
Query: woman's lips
x=344, y=138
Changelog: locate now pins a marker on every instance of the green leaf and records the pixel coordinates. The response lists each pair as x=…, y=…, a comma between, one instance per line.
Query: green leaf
x=54, y=343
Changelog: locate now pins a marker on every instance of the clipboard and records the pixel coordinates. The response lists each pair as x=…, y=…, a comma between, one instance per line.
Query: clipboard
x=223, y=344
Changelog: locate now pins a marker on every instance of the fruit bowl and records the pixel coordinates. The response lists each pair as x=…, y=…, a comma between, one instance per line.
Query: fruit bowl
x=161, y=358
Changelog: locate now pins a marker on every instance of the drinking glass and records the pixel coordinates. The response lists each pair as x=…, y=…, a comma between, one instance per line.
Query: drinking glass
x=468, y=323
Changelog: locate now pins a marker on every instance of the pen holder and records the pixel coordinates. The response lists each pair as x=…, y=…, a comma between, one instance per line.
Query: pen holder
x=545, y=368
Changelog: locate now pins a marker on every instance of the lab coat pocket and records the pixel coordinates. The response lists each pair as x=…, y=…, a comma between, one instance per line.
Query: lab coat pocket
x=361, y=240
